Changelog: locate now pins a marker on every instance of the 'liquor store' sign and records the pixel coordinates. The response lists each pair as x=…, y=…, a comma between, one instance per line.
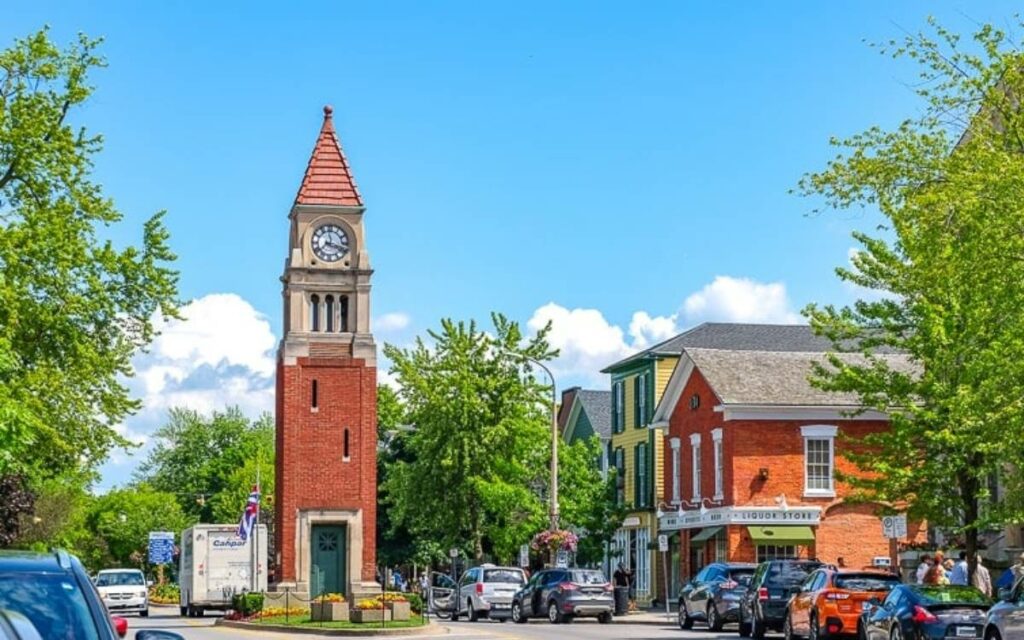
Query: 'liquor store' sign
x=741, y=515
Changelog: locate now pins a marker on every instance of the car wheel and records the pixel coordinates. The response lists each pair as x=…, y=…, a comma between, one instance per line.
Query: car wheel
x=144, y=613
x=605, y=618
x=685, y=621
x=554, y=615
x=756, y=627
x=993, y=634
x=714, y=620
x=744, y=627
x=471, y=613
x=200, y=613
x=861, y=633
x=517, y=613
x=896, y=634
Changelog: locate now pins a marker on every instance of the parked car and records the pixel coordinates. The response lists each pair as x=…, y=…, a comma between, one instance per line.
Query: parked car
x=830, y=602
x=763, y=605
x=1006, y=618
x=487, y=591
x=564, y=594
x=124, y=590
x=53, y=593
x=713, y=596
x=926, y=612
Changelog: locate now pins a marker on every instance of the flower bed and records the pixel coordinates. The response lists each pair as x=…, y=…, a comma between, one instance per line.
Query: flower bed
x=164, y=594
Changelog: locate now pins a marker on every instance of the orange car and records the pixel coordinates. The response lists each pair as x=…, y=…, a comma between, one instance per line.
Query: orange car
x=830, y=601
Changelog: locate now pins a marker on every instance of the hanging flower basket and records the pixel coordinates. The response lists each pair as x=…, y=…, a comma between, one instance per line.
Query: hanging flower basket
x=560, y=540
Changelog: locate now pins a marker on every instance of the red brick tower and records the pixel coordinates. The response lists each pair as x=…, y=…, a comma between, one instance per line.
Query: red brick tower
x=326, y=488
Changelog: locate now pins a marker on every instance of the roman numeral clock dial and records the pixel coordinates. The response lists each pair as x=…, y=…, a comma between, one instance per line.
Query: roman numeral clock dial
x=330, y=242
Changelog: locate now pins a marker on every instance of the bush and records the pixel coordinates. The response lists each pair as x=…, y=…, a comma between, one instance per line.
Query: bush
x=247, y=603
x=415, y=602
x=164, y=594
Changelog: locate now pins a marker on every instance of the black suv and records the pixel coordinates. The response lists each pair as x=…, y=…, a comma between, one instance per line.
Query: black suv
x=53, y=593
x=713, y=596
x=763, y=605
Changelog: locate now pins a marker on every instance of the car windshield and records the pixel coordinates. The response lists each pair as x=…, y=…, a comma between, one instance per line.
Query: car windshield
x=588, y=577
x=865, y=582
x=120, y=579
x=948, y=594
x=52, y=602
x=781, y=574
x=505, y=576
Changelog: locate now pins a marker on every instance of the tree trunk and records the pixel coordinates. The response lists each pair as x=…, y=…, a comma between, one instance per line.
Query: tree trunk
x=969, y=494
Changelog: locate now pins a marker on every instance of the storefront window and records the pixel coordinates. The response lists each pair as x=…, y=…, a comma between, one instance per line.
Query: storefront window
x=775, y=551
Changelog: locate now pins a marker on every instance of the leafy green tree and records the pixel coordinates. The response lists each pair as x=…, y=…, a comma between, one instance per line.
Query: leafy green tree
x=209, y=463
x=123, y=518
x=480, y=446
x=588, y=501
x=943, y=283
x=73, y=308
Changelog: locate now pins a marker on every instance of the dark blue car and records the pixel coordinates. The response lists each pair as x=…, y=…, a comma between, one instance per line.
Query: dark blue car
x=925, y=611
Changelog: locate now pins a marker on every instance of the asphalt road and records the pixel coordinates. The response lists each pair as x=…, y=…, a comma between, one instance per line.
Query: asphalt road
x=203, y=629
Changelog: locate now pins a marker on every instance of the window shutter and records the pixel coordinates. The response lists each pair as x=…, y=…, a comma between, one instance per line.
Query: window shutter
x=636, y=475
x=615, y=407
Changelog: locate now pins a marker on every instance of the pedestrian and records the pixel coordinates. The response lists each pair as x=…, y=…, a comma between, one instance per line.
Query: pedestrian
x=982, y=579
x=935, y=576
x=841, y=562
x=922, y=569
x=1018, y=569
x=623, y=577
x=958, y=574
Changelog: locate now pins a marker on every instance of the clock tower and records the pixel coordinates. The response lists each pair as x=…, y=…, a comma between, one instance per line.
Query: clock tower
x=326, y=483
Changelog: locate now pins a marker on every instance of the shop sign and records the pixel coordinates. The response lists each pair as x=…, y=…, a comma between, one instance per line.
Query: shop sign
x=741, y=515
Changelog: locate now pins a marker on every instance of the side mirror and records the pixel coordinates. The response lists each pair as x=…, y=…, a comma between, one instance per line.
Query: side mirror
x=120, y=626
x=154, y=634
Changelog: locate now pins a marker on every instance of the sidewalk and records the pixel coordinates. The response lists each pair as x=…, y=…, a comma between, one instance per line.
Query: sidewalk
x=648, y=616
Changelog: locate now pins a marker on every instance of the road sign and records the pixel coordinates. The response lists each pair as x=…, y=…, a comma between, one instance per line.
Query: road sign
x=562, y=559
x=663, y=542
x=895, y=526
x=161, y=547
x=524, y=555
x=454, y=552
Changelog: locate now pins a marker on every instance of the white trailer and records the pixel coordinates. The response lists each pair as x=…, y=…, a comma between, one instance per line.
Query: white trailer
x=215, y=564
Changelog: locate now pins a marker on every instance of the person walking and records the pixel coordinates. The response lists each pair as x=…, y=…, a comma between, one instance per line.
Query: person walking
x=922, y=569
x=958, y=574
x=982, y=579
x=935, y=576
x=623, y=577
x=1018, y=569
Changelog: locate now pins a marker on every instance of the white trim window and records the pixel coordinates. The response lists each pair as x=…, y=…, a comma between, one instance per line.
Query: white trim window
x=716, y=439
x=677, y=471
x=819, y=460
x=695, y=464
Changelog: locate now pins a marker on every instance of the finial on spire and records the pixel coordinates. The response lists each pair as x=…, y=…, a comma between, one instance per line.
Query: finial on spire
x=328, y=110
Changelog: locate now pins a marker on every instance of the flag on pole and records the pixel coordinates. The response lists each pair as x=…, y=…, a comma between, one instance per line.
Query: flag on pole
x=252, y=507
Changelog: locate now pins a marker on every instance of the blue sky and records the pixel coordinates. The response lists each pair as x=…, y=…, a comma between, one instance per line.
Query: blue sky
x=622, y=171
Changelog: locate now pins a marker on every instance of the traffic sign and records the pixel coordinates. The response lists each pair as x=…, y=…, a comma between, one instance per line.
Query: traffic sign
x=894, y=526
x=663, y=543
x=161, y=547
x=562, y=559
x=454, y=552
x=524, y=555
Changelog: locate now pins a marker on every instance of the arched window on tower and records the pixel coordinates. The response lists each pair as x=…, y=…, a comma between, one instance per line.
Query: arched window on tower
x=343, y=308
x=314, y=312
x=329, y=309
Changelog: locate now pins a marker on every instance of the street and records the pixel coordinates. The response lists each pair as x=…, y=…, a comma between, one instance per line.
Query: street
x=203, y=629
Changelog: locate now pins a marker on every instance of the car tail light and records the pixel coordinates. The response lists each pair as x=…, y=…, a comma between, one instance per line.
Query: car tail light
x=567, y=586
x=120, y=626
x=762, y=594
x=730, y=584
x=923, y=615
x=836, y=595
x=479, y=588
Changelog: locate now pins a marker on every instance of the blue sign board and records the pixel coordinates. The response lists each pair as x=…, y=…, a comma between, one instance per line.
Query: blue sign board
x=161, y=547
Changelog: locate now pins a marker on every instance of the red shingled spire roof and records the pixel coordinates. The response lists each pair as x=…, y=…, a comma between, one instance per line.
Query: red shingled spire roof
x=328, y=179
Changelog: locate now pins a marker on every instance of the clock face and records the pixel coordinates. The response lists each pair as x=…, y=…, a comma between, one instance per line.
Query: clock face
x=330, y=242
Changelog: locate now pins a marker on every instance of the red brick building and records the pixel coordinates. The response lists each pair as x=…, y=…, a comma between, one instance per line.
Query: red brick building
x=752, y=452
x=326, y=485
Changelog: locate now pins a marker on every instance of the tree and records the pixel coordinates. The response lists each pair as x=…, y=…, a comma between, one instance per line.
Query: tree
x=123, y=518
x=73, y=308
x=588, y=501
x=944, y=275
x=480, y=444
x=209, y=463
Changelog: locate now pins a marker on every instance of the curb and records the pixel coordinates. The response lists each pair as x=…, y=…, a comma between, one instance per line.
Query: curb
x=661, y=622
x=430, y=628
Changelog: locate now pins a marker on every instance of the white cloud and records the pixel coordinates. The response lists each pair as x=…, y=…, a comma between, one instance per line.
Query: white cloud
x=587, y=342
x=395, y=321
x=219, y=354
x=728, y=299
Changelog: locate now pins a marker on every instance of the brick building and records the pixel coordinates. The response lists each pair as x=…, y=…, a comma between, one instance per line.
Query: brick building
x=326, y=413
x=752, y=451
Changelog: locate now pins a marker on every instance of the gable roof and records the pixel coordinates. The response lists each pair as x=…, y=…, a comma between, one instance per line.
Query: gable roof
x=328, y=179
x=598, y=405
x=734, y=336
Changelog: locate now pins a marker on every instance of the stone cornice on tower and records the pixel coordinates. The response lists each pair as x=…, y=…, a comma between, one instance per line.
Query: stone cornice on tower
x=328, y=179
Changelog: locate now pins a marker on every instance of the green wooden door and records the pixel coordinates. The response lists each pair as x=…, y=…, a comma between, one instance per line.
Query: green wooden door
x=327, y=570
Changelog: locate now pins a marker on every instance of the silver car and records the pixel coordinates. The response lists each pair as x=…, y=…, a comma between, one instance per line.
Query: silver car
x=486, y=591
x=1005, y=620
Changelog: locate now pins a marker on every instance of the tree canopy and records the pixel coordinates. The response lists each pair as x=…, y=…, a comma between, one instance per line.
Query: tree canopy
x=942, y=282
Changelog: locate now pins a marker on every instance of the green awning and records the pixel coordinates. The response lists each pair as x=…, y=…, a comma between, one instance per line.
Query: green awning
x=704, y=535
x=796, y=536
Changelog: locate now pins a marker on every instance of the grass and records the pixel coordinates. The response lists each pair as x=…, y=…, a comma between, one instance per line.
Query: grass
x=305, y=621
